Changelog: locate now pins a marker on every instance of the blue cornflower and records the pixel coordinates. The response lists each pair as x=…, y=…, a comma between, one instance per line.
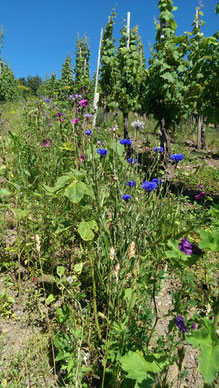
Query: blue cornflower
x=88, y=132
x=102, y=152
x=131, y=160
x=126, y=197
x=125, y=142
x=47, y=100
x=157, y=181
x=177, y=157
x=158, y=149
x=149, y=186
x=131, y=183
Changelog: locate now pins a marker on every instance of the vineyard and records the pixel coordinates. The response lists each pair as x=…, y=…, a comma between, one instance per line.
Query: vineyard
x=109, y=205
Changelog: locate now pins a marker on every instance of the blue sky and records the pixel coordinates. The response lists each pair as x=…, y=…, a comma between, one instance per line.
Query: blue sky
x=40, y=33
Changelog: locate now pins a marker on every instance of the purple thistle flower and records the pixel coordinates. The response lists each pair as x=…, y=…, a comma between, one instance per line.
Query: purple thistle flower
x=126, y=197
x=149, y=186
x=193, y=326
x=75, y=121
x=59, y=114
x=125, y=142
x=157, y=181
x=102, y=152
x=188, y=248
x=179, y=321
x=47, y=142
x=82, y=157
x=88, y=132
x=200, y=195
x=84, y=103
x=158, y=149
x=131, y=183
x=176, y=157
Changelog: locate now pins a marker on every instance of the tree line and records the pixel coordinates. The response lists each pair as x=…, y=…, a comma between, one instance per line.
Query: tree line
x=180, y=81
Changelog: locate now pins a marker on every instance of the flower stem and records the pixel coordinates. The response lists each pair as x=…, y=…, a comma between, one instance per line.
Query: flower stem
x=94, y=297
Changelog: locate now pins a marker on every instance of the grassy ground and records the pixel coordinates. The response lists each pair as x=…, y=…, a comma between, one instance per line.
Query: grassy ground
x=25, y=337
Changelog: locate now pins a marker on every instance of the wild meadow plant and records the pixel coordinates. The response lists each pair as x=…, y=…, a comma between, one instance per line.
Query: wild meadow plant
x=102, y=233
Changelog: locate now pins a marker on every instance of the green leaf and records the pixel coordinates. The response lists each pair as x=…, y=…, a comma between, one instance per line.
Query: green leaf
x=169, y=77
x=209, y=362
x=5, y=193
x=181, y=68
x=134, y=364
x=21, y=213
x=78, y=268
x=206, y=338
x=200, y=337
x=89, y=191
x=86, y=228
x=61, y=182
x=140, y=368
x=130, y=297
x=50, y=299
x=60, y=270
x=75, y=191
x=49, y=189
x=209, y=240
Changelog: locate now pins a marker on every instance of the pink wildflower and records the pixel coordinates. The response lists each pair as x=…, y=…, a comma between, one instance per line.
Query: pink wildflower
x=75, y=121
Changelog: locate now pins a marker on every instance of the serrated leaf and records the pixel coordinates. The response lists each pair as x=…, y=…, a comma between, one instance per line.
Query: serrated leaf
x=75, y=191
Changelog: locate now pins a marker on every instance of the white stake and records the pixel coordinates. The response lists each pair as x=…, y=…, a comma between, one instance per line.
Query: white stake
x=85, y=65
x=96, y=95
x=197, y=18
x=128, y=29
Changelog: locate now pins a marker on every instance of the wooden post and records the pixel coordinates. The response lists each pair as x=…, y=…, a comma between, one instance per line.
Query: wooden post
x=128, y=29
x=96, y=94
